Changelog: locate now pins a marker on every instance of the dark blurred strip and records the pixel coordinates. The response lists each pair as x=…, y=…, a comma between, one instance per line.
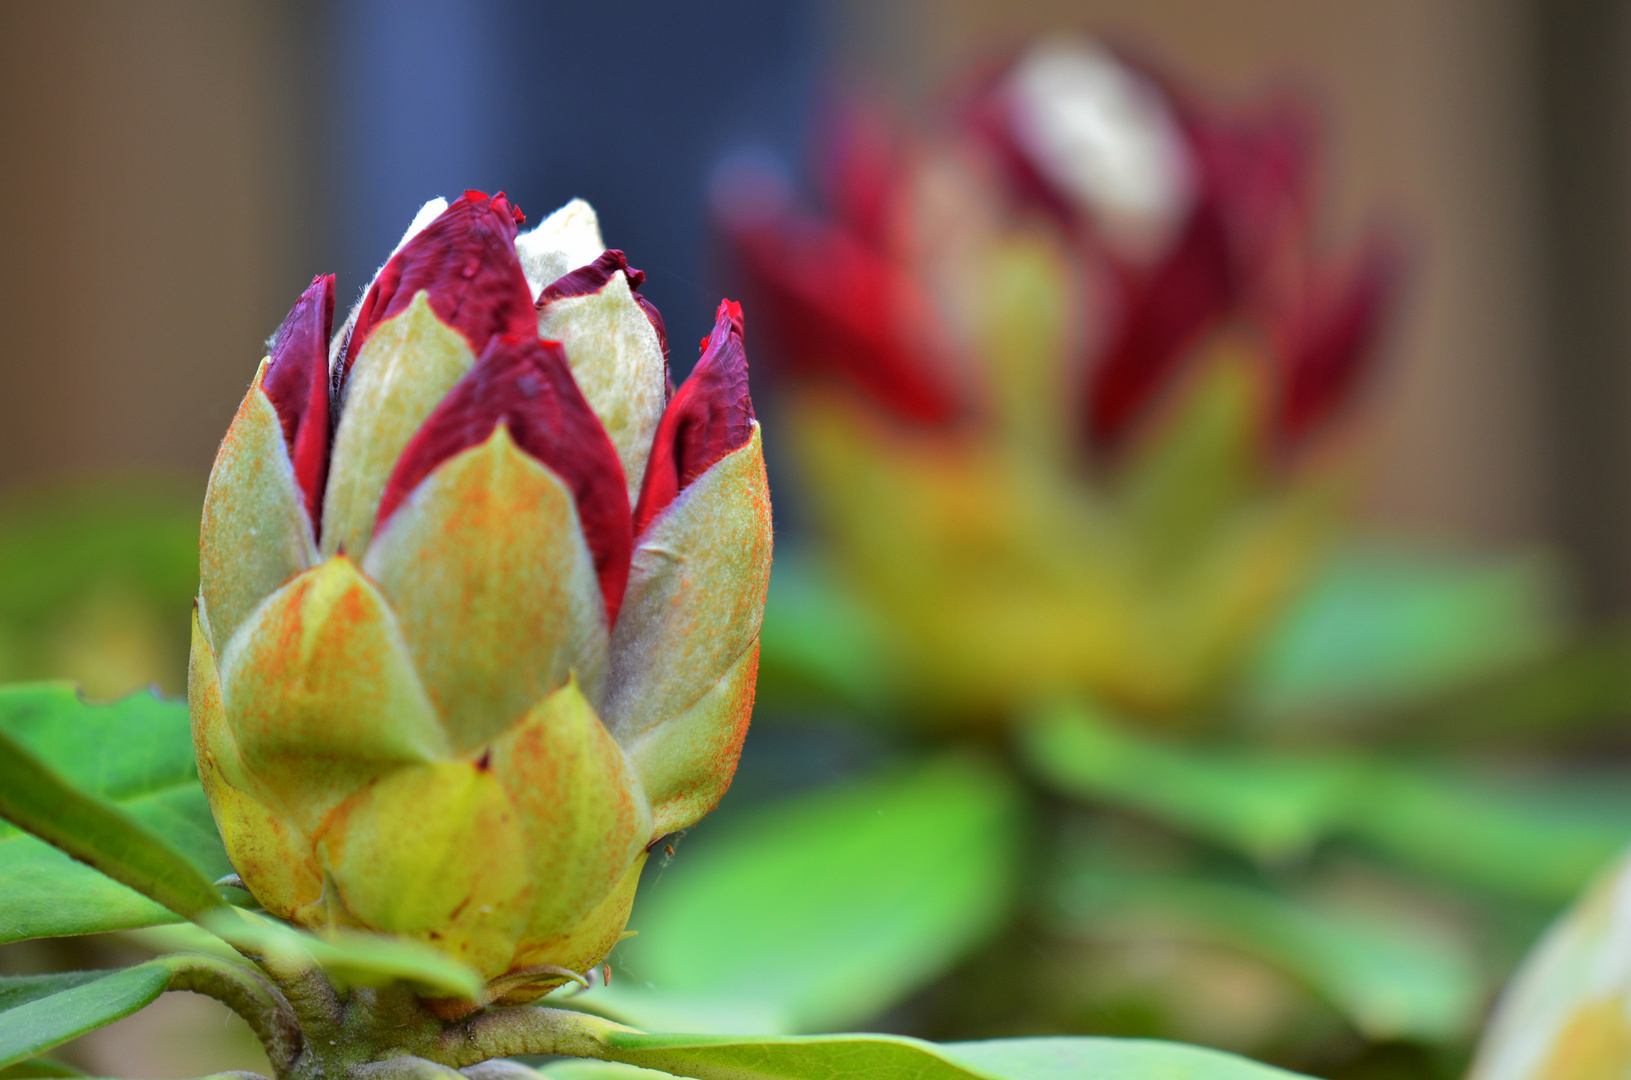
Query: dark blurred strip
x=1583, y=50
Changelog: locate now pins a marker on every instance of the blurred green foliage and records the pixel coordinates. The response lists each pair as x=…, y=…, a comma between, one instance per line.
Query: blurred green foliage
x=1350, y=822
x=816, y=914
x=96, y=580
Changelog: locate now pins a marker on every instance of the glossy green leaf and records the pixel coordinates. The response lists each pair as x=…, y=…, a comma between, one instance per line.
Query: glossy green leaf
x=887, y=1057
x=38, y=1012
x=109, y=785
x=1529, y=840
x=136, y=753
x=824, y=909
x=1387, y=624
x=1392, y=980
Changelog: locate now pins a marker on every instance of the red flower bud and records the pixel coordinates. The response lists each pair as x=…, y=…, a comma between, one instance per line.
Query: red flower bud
x=592, y=278
x=296, y=381
x=466, y=261
x=710, y=416
x=527, y=385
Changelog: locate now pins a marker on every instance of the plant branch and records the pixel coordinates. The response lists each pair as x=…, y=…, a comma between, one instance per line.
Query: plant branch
x=524, y=1029
x=402, y=1068
x=247, y=993
x=310, y=995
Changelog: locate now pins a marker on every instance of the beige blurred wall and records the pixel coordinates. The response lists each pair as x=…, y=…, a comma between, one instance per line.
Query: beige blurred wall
x=150, y=223
x=148, y=187
x=1430, y=106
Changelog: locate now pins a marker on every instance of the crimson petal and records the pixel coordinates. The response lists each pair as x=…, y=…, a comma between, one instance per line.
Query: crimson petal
x=1164, y=315
x=709, y=417
x=837, y=307
x=526, y=385
x=296, y=381
x=466, y=261
x=592, y=278
x=1328, y=358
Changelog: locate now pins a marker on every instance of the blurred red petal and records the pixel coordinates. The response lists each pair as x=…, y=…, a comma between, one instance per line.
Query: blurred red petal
x=1257, y=170
x=466, y=261
x=838, y=307
x=296, y=381
x=1164, y=314
x=709, y=417
x=527, y=385
x=1326, y=357
x=860, y=167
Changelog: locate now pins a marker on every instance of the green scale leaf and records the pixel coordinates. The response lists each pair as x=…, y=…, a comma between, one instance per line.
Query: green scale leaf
x=38, y=1012
x=825, y=909
x=136, y=754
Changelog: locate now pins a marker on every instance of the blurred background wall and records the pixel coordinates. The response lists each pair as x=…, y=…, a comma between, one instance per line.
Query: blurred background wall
x=175, y=170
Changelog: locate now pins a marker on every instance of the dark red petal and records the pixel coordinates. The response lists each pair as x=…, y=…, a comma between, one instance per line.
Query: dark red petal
x=526, y=385
x=1163, y=316
x=593, y=277
x=466, y=261
x=1257, y=170
x=709, y=417
x=837, y=307
x=1328, y=354
x=297, y=383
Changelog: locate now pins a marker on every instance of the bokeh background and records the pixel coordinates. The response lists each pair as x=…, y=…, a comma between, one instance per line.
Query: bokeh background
x=176, y=170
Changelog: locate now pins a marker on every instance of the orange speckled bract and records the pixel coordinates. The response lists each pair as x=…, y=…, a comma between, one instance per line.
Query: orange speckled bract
x=419, y=721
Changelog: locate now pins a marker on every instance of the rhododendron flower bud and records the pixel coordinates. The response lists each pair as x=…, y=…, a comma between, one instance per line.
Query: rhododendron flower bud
x=480, y=604
x=1066, y=370
x=1566, y=1015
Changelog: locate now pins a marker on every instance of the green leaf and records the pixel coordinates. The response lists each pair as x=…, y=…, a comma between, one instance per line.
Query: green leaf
x=1269, y=806
x=97, y=833
x=1534, y=840
x=1387, y=624
x=39, y=1068
x=135, y=753
x=38, y=1012
x=589, y=1069
x=1580, y=689
x=1392, y=980
x=887, y=1057
x=1530, y=841
x=826, y=908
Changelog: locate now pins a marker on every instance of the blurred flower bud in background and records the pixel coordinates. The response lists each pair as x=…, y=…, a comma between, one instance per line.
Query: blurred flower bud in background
x=480, y=597
x=1070, y=375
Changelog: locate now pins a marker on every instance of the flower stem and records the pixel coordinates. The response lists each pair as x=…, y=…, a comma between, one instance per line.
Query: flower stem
x=525, y=1029
x=247, y=993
